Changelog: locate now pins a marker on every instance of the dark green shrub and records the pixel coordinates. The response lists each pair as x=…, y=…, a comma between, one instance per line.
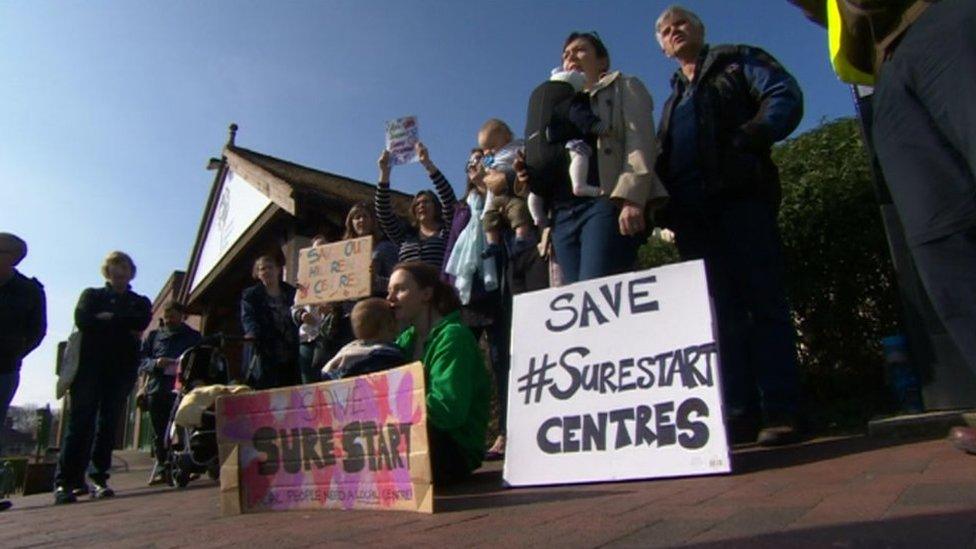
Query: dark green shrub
x=839, y=273
x=656, y=252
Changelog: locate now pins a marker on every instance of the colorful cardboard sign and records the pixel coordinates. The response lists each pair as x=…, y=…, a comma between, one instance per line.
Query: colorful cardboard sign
x=334, y=272
x=402, y=135
x=615, y=378
x=358, y=443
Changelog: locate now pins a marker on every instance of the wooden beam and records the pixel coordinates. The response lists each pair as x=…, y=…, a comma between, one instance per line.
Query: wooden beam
x=276, y=189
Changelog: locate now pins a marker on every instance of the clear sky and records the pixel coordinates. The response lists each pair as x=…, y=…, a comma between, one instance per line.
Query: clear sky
x=109, y=110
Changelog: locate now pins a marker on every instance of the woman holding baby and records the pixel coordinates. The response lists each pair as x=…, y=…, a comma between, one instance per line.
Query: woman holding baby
x=596, y=236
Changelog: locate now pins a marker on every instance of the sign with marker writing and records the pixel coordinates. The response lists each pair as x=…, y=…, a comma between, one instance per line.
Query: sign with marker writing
x=402, y=135
x=357, y=443
x=334, y=272
x=615, y=378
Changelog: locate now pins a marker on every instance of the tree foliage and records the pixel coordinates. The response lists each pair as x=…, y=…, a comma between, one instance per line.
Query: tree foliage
x=840, y=277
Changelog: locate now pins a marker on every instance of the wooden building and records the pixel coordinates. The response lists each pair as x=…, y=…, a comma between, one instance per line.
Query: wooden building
x=260, y=204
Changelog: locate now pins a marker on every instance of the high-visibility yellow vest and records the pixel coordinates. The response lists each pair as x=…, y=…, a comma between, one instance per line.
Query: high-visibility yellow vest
x=845, y=71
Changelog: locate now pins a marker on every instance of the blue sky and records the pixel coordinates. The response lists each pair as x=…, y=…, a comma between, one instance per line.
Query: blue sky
x=110, y=110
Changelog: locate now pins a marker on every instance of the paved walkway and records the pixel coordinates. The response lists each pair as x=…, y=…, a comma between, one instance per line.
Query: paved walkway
x=849, y=492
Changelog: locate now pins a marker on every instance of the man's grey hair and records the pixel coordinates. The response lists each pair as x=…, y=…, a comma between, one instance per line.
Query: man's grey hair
x=16, y=244
x=672, y=11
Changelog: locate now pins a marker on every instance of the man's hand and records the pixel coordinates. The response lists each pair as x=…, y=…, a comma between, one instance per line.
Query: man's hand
x=519, y=165
x=631, y=219
x=521, y=173
x=384, y=165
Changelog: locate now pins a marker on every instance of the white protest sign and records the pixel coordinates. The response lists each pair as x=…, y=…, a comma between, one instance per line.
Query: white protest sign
x=615, y=378
x=402, y=135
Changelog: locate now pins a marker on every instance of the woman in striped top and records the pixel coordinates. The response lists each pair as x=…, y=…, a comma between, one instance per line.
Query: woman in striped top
x=430, y=214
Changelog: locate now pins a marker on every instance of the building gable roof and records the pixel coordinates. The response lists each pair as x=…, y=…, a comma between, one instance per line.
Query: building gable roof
x=293, y=189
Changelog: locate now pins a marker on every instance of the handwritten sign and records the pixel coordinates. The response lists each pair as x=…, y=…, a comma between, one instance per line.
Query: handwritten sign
x=615, y=378
x=402, y=135
x=357, y=443
x=334, y=272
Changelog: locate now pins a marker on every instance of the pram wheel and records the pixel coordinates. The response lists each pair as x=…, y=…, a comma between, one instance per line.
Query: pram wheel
x=181, y=478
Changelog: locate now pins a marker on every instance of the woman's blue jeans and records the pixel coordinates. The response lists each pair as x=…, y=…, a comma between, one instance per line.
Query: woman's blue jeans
x=587, y=240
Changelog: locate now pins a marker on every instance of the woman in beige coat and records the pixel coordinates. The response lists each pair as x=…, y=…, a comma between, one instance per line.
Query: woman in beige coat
x=599, y=236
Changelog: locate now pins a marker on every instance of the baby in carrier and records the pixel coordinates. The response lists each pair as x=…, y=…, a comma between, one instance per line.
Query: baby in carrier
x=573, y=123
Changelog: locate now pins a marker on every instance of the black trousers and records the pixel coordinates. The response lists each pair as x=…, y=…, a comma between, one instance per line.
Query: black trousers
x=925, y=138
x=743, y=253
x=97, y=401
x=447, y=462
x=160, y=411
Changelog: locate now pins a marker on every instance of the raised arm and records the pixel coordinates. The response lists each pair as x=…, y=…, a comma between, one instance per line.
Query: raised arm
x=445, y=193
x=384, y=210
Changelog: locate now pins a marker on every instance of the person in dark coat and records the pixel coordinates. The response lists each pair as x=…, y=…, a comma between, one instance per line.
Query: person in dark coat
x=161, y=351
x=23, y=321
x=266, y=318
x=728, y=105
x=111, y=320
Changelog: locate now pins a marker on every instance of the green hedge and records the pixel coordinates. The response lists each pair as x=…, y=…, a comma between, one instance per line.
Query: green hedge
x=839, y=274
x=841, y=280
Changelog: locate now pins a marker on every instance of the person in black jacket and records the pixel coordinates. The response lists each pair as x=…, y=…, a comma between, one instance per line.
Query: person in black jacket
x=728, y=105
x=161, y=351
x=111, y=320
x=266, y=318
x=23, y=320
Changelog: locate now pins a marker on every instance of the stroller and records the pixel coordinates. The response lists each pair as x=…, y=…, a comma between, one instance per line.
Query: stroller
x=192, y=450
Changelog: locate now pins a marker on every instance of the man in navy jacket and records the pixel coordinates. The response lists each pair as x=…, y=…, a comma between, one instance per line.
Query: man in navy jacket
x=729, y=104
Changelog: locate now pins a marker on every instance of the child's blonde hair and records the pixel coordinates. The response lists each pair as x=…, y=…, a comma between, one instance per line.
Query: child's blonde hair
x=493, y=125
x=371, y=318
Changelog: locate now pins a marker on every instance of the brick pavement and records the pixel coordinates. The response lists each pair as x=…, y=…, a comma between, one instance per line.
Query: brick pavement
x=848, y=492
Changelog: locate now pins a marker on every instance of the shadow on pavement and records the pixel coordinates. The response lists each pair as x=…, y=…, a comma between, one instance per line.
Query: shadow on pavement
x=485, y=490
x=509, y=498
x=753, y=458
x=952, y=529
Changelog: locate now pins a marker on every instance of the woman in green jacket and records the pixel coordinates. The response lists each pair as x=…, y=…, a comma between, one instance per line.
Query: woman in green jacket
x=457, y=381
